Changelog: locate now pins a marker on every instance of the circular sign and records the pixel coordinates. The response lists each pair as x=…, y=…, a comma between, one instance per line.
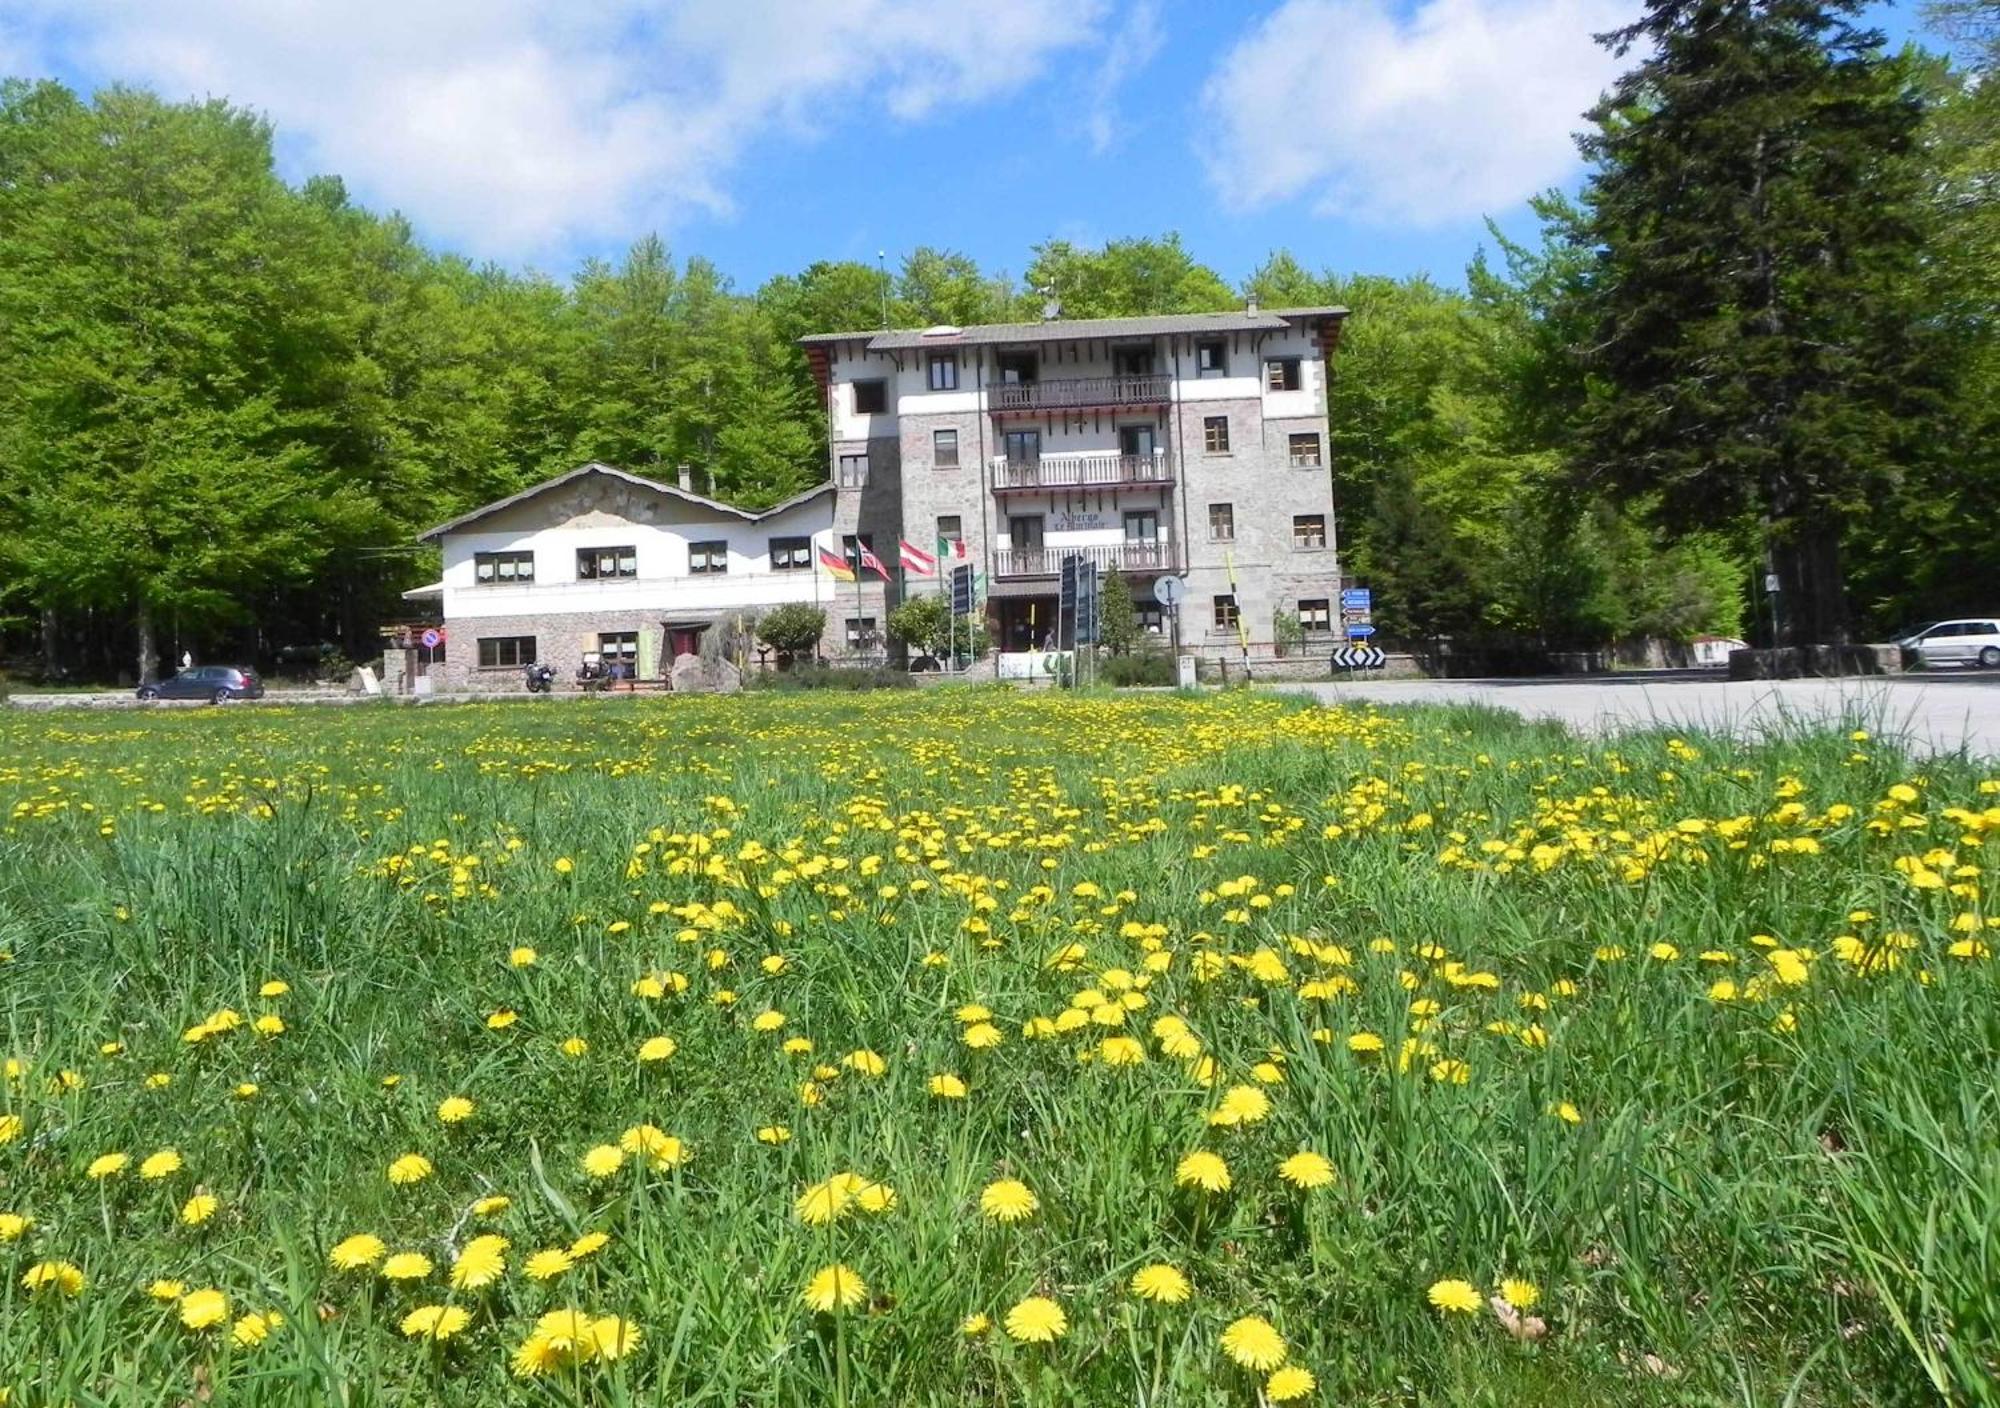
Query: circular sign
x=1169, y=591
x=431, y=639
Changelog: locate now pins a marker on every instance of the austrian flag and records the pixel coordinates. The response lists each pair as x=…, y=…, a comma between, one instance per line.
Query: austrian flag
x=916, y=560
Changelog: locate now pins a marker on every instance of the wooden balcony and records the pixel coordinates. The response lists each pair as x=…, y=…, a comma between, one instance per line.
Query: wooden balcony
x=1112, y=557
x=1086, y=471
x=1081, y=393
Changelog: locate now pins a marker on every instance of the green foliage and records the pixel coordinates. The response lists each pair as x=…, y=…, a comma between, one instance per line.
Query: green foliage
x=1755, y=205
x=920, y=623
x=794, y=628
x=1117, y=618
x=1143, y=667
x=844, y=679
x=1123, y=279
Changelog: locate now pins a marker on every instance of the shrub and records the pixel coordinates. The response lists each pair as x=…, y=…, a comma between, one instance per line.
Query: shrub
x=833, y=677
x=1146, y=668
x=792, y=629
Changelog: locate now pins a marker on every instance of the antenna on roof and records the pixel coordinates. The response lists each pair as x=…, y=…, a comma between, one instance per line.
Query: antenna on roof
x=882, y=268
x=1051, y=305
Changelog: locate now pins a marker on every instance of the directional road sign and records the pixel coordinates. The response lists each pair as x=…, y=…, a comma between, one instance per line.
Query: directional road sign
x=1358, y=657
x=1359, y=630
x=1356, y=599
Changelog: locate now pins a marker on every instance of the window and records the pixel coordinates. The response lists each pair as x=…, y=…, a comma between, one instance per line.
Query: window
x=871, y=398
x=1305, y=448
x=944, y=371
x=1222, y=522
x=851, y=545
x=1142, y=526
x=1132, y=361
x=1316, y=614
x=506, y=652
x=1215, y=434
x=944, y=449
x=951, y=528
x=1282, y=374
x=503, y=567
x=1211, y=358
x=791, y=554
x=1017, y=368
x=853, y=471
x=1021, y=446
x=1225, y=612
x=860, y=632
x=604, y=563
x=1151, y=616
x=1308, y=530
x=618, y=646
x=708, y=557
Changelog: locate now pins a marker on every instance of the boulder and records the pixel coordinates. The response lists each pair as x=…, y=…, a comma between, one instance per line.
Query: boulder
x=693, y=675
x=1815, y=661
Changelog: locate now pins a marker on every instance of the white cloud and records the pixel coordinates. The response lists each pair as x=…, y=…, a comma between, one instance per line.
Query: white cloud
x=1456, y=109
x=1132, y=46
x=509, y=128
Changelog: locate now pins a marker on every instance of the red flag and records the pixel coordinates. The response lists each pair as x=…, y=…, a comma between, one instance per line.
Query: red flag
x=873, y=563
x=916, y=560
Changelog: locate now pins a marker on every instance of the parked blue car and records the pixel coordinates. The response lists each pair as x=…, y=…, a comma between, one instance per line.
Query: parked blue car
x=216, y=683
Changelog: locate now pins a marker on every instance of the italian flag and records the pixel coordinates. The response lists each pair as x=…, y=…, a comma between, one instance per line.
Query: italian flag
x=954, y=550
x=916, y=560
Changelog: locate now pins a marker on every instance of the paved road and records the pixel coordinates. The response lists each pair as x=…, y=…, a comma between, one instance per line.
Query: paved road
x=1931, y=713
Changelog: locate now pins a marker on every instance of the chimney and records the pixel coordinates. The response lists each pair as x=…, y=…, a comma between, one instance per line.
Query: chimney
x=687, y=479
x=1251, y=306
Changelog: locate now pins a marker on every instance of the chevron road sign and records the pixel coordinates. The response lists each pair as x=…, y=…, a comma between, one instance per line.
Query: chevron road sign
x=1358, y=657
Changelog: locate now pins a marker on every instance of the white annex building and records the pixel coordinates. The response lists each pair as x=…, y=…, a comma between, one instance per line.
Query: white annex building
x=1193, y=445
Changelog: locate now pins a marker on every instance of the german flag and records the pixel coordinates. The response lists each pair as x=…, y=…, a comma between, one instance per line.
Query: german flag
x=836, y=565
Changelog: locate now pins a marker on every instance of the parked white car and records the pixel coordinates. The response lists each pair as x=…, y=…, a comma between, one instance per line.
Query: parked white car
x=1972, y=641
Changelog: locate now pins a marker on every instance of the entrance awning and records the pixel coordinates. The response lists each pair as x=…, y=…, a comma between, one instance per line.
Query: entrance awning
x=432, y=592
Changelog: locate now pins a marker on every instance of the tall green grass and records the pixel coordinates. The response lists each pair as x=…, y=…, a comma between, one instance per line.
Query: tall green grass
x=1791, y=1198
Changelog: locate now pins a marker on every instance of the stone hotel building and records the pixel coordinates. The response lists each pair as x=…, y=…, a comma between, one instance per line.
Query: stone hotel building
x=1192, y=445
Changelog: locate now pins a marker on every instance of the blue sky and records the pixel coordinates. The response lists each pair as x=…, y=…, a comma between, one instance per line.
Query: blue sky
x=1364, y=135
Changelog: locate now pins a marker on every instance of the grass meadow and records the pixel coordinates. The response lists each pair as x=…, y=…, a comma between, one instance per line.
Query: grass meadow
x=979, y=1047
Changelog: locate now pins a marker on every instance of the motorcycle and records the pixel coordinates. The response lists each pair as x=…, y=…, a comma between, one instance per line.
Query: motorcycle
x=540, y=677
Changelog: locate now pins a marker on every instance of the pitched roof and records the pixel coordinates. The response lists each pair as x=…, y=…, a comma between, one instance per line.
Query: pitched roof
x=673, y=491
x=1081, y=329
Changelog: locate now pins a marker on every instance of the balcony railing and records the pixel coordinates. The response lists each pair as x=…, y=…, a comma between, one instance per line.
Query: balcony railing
x=1085, y=471
x=1114, y=557
x=1080, y=393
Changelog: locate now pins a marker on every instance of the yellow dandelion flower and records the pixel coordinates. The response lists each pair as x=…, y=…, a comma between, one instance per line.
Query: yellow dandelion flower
x=1162, y=1283
x=1254, y=1343
x=406, y=1266
x=947, y=1087
x=1008, y=1200
x=253, y=1329
x=834, y=1288
x=977, y=1323
x=204, y=1309
x=354, y=1253
x=60, y=1277
x=1289, y=1384
x=166, y=1290
x=588, y=1244
x=1522, y=1295
x=14, y=1226
x=548, y=1264
x=435, y=1322
x=199, y=1209
x=1036, y=1320
x=1306, y=1169
x=773, y=1134
x=603, y=1161
x=107, y=1166
x=410, y=1168
x=455, y=1109
x=1455, y=1297
x=612, y=1338
x=657, y=1048
x=1204, y=1170
x=479, y=1263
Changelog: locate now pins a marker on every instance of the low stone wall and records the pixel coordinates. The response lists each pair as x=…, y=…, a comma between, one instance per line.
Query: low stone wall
x=1299, y=669
x=1815, y=662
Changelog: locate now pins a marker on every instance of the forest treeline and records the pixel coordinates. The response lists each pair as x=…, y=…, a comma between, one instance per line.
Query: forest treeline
x=228, y=403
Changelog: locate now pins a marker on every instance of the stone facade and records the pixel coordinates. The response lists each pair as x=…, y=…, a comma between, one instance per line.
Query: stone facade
x=560, y=640
x=1275, y=565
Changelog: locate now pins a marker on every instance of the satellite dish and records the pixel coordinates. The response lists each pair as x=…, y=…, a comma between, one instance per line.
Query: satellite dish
x=1169, y=591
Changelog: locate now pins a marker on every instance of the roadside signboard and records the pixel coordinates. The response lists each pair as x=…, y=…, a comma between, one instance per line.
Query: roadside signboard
x=1359, y=630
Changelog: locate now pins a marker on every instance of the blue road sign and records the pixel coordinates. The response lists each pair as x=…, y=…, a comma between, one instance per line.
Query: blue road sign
x=1359, y=632
x=1356, y=599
